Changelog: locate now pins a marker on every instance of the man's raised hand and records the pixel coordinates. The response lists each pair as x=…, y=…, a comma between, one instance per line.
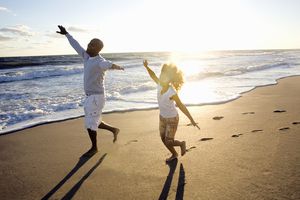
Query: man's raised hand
x=62, y=30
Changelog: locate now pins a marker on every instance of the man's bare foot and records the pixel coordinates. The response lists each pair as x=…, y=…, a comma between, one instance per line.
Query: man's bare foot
x=91, y=152
x=171, y=158
x=183, y=148
x=116, y=132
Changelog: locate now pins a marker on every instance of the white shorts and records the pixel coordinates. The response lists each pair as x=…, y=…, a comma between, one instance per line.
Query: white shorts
x=93, y=106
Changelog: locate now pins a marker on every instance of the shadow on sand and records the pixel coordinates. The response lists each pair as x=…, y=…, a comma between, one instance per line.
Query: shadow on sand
x=181, y=181
x=82, y=160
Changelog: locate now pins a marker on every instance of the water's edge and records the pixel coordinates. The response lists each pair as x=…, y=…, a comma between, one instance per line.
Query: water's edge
x=139, y=109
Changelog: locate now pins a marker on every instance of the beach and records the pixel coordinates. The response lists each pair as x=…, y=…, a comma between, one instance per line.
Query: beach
x=247, y=148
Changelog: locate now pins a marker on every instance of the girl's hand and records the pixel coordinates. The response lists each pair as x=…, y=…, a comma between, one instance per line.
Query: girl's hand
x=195, y=124
x=145, y=62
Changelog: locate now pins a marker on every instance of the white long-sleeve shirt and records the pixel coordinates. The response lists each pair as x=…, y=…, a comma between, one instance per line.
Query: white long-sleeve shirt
x=94, y=69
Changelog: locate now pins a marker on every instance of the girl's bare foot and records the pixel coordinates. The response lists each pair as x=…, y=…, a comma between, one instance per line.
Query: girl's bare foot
x=171, y=158
x=116, y=132
x=183, y=148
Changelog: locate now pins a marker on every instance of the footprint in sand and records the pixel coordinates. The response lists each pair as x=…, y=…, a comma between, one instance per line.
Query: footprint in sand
x=205, y=139
x=246, y=113
x=267, y=172
x=279, y=111
x=236, y=135
x=257, y=130
x=218, y=117
x=296, y=123
x=284, y=129
x=189, y=149
x=131, y=141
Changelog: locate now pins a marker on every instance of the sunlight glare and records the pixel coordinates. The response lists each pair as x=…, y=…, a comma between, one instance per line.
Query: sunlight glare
x=203, y=91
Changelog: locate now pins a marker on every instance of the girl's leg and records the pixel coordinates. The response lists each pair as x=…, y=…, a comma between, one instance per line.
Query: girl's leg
x=179, y=143
x=170, y=148
x=110, y=128
x=171, y=143
x=170, y=134
x=167, y=130
x=162, y=130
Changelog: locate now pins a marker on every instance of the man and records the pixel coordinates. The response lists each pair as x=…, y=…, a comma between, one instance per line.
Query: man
x=94, y=73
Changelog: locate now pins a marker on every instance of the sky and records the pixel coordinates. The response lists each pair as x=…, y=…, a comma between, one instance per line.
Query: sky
x=29, y=27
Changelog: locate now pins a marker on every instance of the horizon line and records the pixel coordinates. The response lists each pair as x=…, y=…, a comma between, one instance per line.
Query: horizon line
x=193, y=52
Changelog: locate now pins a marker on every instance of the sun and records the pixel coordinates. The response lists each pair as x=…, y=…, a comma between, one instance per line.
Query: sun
x=187, y=63
x=197, y=87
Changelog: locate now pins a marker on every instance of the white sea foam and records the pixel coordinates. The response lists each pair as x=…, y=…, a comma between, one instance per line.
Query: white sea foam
x=10, y=75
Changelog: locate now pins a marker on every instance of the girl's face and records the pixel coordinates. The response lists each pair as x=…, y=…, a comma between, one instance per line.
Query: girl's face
x=165, y=74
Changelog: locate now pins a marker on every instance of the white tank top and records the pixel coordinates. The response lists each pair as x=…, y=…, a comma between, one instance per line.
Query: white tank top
x=166, y=106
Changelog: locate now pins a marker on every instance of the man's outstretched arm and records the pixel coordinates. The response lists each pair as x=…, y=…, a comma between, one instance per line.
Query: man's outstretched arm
x=72, y=41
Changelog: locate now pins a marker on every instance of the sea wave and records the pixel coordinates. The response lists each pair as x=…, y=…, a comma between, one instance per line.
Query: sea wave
x=203, y=75
x=38, y=61
x=237, y=71
x=35, y=61
x=137, y=88
x=32, y=74
x=252, y=68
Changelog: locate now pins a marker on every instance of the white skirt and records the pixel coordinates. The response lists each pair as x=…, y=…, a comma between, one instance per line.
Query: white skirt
x=93, y=106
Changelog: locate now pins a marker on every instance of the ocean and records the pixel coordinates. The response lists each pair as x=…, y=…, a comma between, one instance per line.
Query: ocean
x=41, y=89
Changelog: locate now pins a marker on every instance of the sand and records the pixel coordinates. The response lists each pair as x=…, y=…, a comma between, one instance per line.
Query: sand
x=239, y=153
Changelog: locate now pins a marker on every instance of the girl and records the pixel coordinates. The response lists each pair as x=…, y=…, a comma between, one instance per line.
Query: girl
x=168, y=83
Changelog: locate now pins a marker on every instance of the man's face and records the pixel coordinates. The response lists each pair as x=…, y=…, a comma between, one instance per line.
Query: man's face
x=94, y=46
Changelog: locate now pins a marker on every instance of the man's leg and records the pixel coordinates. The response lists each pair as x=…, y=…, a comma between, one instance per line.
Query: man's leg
x=94, y=148
x=110, y=128
x=93, y=137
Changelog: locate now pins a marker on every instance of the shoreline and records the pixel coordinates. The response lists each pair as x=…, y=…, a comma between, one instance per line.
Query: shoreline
x=138, y=109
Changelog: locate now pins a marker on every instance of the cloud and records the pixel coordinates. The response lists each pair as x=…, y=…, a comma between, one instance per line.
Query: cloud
x=54, y=35
x=77, y=29
x=3, y=9
x=21, y=30
x=4, y=38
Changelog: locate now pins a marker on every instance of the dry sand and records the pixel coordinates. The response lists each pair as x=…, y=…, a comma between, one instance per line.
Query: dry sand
x=44, y=161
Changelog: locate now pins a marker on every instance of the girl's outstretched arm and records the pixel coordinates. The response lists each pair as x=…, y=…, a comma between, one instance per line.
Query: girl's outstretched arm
x=183, y=108
x=150, y=72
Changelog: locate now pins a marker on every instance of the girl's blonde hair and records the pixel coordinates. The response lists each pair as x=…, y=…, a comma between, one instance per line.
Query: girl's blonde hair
x=175, y=74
